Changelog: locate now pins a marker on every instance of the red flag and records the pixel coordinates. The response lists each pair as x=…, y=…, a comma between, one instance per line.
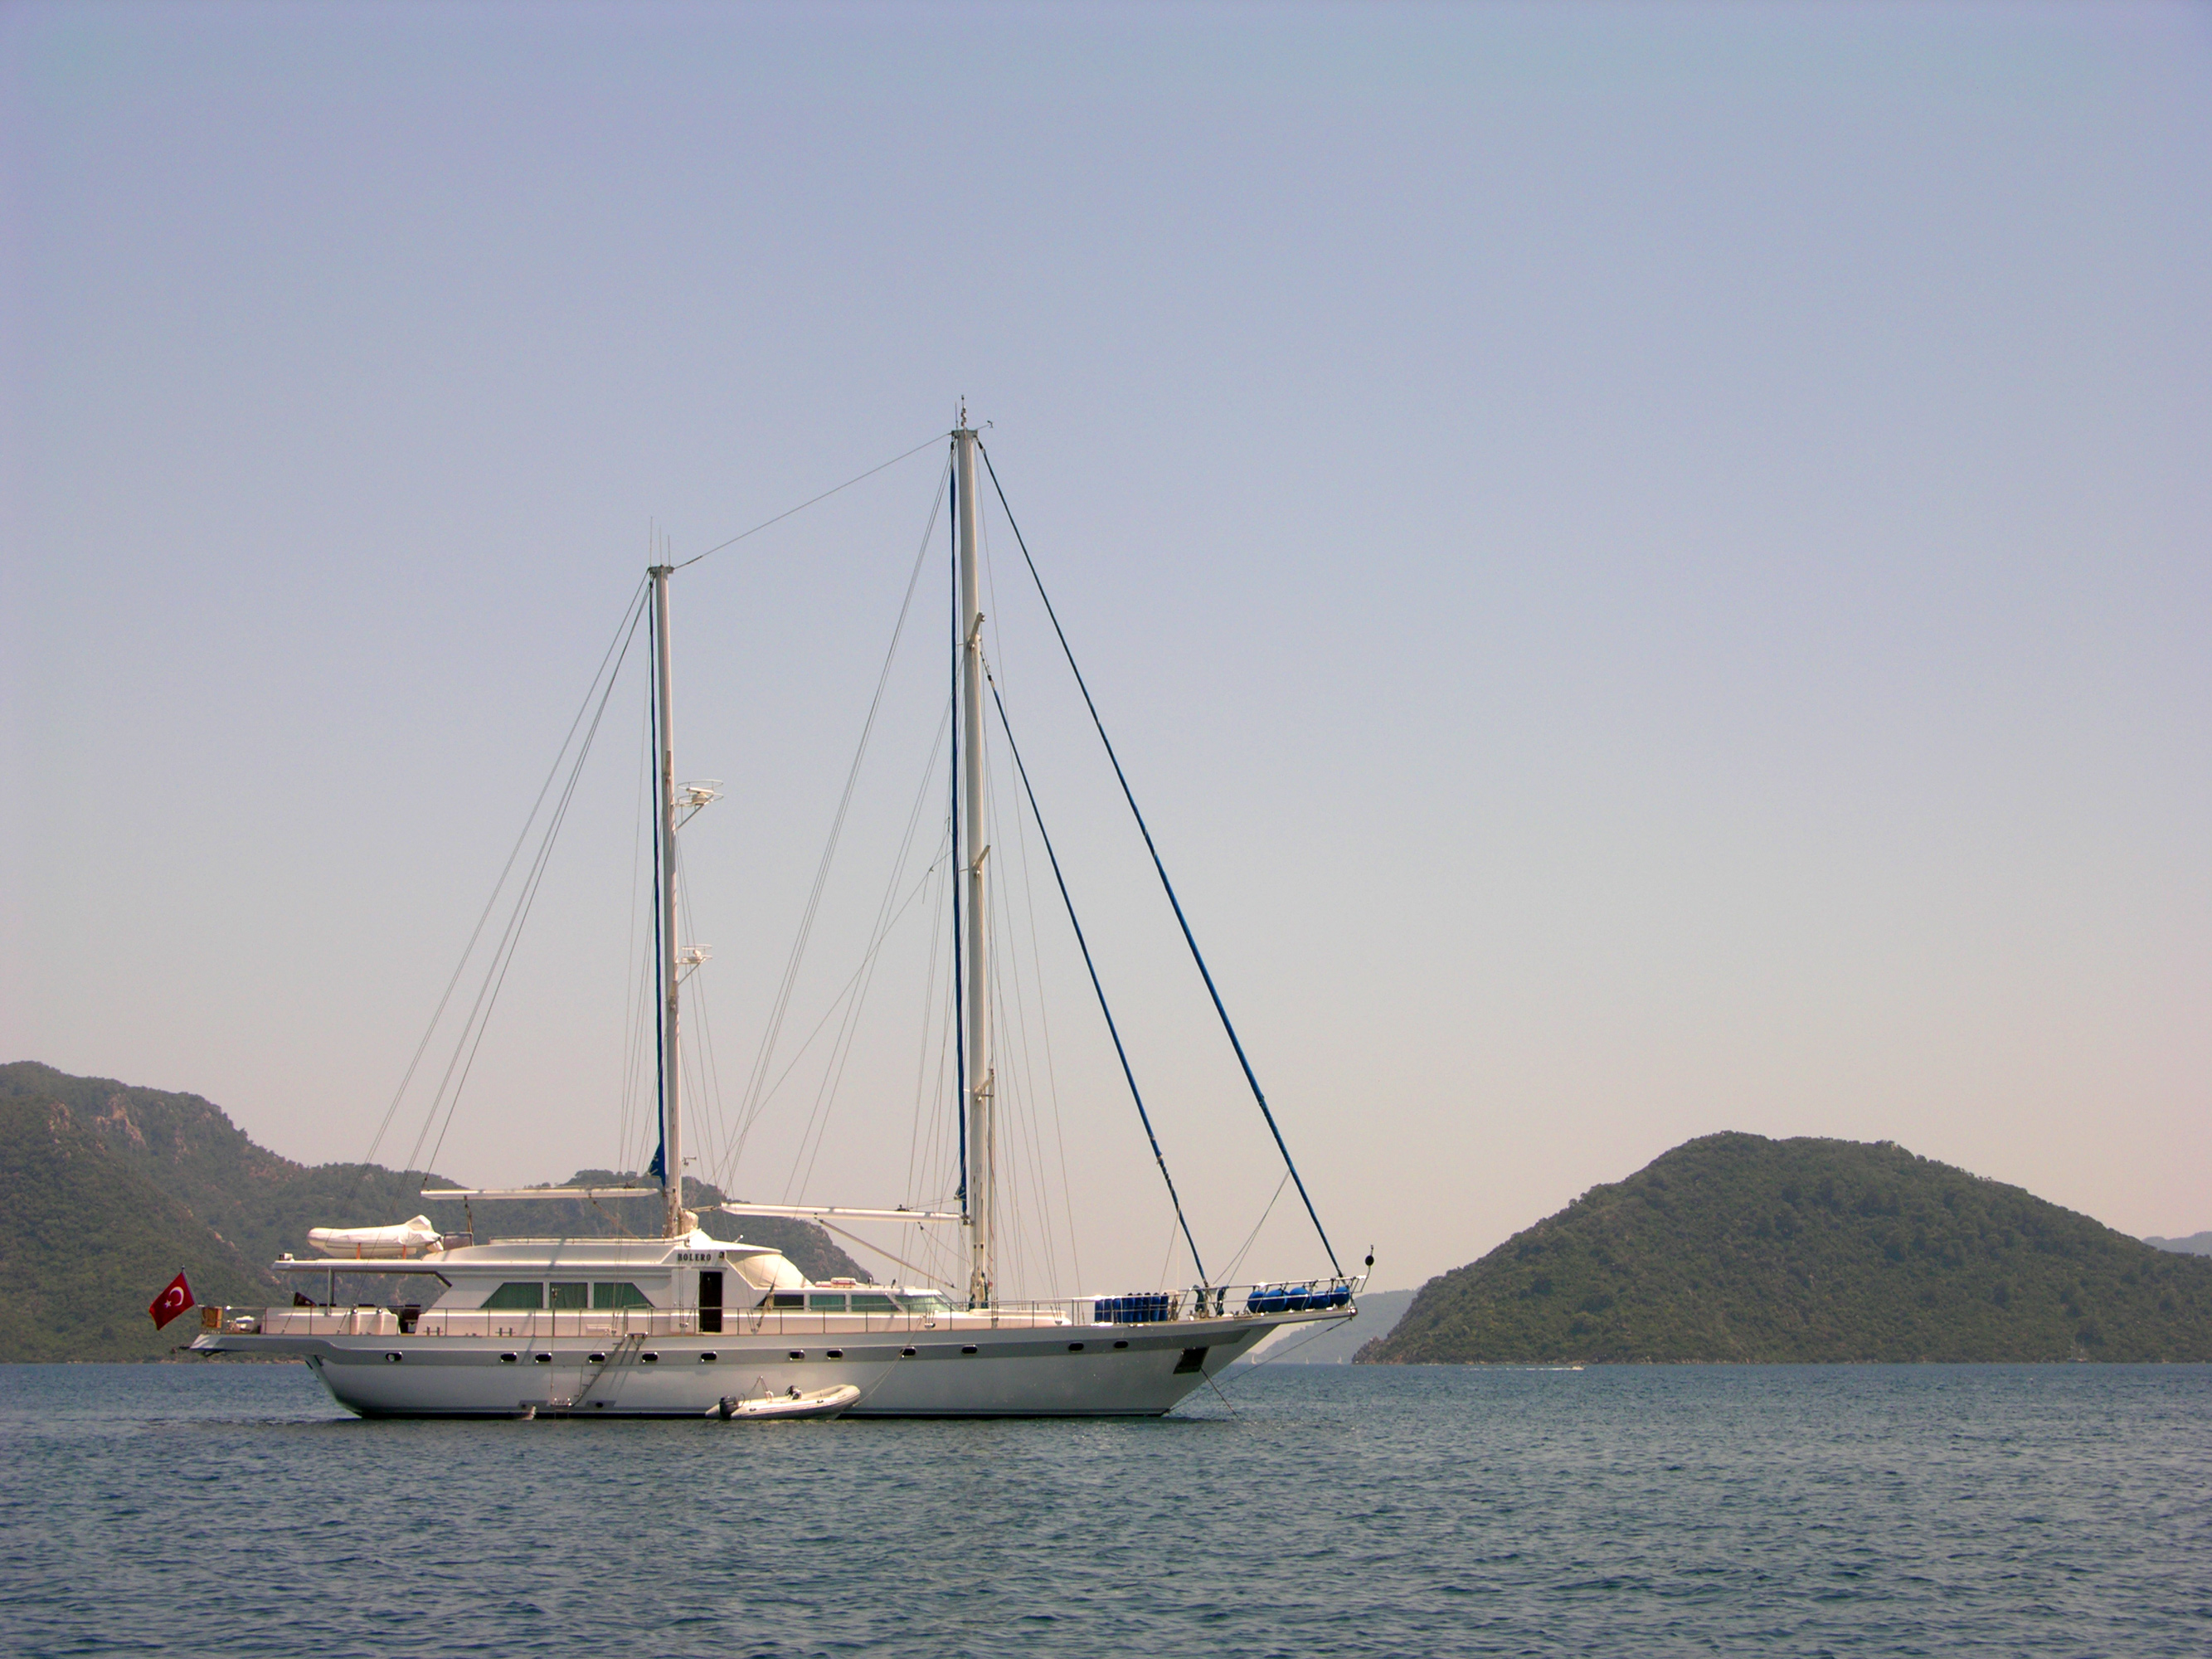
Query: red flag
x=172, y=1301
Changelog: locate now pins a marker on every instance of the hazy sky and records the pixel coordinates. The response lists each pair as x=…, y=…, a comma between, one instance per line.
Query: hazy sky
x=1651, y=565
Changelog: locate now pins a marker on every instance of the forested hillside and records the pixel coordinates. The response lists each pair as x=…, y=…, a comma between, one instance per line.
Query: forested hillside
x=107, y=1190
x=1734, y=1246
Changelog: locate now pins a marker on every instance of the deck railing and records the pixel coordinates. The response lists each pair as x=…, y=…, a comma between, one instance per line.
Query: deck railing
x=1217, y=1302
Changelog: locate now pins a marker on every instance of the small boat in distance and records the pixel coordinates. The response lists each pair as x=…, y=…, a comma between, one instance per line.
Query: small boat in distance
x=659, y=1326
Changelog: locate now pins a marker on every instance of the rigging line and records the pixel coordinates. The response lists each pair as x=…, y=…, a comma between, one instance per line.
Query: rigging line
x=1020, y=1069
x=926, y=1272
x=816, y=1129
x=382, y=1128
x=750, y=1109
x=526, y=887
x=840, y=1048
x=1287, y=1350
x=921, y=1056
x=621, y=638
x=782, y=1005
x=643, y=1117
x=631, y=983
x=702, y=1035
x=1189, y=938
x=1238, y=1261
x=1084, y=945
x=929, y=1130
x=1044, y=1016
x=838, y=1001
x=528, y=898
x=1027, y=1116
x=612, y=1220
x=803, y=506
x=503, y=956
x=886, y=919
x=1010, y=1105
x=1222, y=1397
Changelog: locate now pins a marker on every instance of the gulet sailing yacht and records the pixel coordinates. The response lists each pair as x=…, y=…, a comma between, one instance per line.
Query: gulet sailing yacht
x=689, y=1324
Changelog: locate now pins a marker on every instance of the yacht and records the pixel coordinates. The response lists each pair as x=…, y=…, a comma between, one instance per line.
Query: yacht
x=673, y=1321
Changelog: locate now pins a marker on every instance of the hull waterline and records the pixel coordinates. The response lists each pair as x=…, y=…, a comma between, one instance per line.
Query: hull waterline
x=1057, y=1370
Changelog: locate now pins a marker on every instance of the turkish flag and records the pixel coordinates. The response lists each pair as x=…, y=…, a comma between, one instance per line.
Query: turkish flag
x=171, y=1302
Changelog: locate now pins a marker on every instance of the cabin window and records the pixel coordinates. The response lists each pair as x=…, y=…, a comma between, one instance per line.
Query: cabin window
x=816, y=1303
x=569, y=1296
x=789, y=1299
x=517, y=1296
x=619, y=1295
x=929, y=1304
x=874, y=1304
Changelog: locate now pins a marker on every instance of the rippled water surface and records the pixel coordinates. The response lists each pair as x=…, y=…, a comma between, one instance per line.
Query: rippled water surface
x=1322, y=1509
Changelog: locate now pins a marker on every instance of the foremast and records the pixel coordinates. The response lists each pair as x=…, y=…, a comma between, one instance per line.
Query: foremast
x=976, y=1086
x=672, y=1094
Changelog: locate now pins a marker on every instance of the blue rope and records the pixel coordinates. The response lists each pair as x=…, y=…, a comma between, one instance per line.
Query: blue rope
x=1113, y=1030
x=1129, y=795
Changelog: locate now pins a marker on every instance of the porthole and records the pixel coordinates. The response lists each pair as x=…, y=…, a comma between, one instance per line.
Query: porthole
x=650, y=1359
x=1121, y=1345
x=798, y=1353
x=597, y=1358
x=395, y=1358
x=970, y=1348
x=836, y=1353
x=543, y=1358
x=507, y=1359
x=1075, y=1347
x=709, y=1357
x=906, y=1353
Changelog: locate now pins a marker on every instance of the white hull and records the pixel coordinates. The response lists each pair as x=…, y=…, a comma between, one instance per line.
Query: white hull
x=954, y=1371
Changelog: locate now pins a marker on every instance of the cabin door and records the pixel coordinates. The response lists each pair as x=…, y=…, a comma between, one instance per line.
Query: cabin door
x=710, y=1302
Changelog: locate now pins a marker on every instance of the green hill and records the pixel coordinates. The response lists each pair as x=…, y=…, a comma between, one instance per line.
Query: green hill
x=1733, y=1247
x=86, y=1242
x=107, y=1189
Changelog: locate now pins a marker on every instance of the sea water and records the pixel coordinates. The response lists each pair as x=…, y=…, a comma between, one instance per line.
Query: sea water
x=230, y=1508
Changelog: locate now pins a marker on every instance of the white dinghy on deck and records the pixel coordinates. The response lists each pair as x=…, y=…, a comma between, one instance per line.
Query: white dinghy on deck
x=409, y=1239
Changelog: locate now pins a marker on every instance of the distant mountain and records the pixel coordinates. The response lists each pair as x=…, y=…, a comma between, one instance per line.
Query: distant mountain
x=2195, y=1244
x=1734, y=1246
x=1334, y=1344
x=107, y=1189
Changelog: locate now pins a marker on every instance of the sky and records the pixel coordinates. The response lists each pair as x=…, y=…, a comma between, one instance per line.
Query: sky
x=1650, y=566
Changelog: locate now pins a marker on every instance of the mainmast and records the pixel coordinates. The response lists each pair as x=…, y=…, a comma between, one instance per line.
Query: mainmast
x=672, y=1113
x=975, y=1087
